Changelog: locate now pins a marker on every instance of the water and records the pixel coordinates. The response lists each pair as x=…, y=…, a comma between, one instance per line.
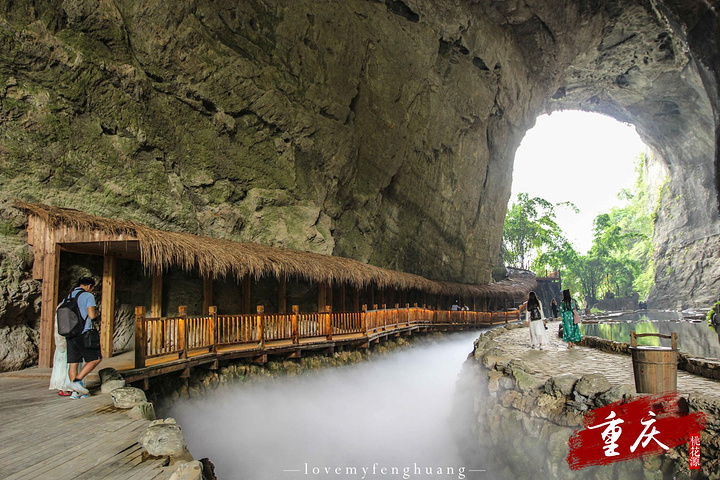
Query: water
x=391, y=412
x=694, y=337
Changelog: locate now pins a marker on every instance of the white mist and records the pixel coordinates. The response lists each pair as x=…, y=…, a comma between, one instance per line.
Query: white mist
x=391, y=412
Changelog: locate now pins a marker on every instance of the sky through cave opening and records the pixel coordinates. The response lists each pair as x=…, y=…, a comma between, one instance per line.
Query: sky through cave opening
x=579, y=157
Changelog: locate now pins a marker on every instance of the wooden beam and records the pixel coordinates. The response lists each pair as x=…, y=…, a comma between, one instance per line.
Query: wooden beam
x=107, y=306
x=208, y=293
x=282, y=295
x=246, y=292
x=156, y=296
x=342, y=298
x=51, y=274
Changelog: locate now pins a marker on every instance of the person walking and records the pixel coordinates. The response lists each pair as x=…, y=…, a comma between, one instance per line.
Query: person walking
x=571, y=331
x=554, y=309
x=535, y=319
x=76, y=349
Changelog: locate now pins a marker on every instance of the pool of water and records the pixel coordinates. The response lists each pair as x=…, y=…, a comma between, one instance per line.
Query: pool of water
x=694, y=337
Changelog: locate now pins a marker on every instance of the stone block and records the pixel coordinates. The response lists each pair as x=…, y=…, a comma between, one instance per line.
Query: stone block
x=144, y=410
x=561, y=385
x=592, y=384
x=110, y=385
x=127, y=397
x=109, y=374
x=163, y=438
x=188, y=471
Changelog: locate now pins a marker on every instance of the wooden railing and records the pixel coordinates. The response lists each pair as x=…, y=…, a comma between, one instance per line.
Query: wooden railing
x=181, y=336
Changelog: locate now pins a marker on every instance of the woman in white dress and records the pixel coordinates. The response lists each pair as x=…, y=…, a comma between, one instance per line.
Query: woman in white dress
x=535, y=319
x=59, y=379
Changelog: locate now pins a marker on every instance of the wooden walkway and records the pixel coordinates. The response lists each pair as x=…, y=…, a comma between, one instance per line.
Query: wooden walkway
x=45, y=436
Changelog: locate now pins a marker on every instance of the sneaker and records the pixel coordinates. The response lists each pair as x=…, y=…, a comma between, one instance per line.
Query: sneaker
x=76, y=395
x=78, y=387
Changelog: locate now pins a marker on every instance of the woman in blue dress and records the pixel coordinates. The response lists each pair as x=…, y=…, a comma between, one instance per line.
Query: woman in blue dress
x=571, y=332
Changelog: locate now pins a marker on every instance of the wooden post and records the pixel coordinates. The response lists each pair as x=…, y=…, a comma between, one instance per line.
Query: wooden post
x=282, y=295
x=363, y=320
x=107, y=306
x=156, y=296
x=261, y=324
x=213, y=327
x=208, y=293
x=329, y=299
x=183, y=330
x=246, y=292
x=140, y=337
x=372, y=295
x=295, y=330
x=328, y=321
x=384, y=307
x=322, y=297
x=342, y=298
x=51, y=274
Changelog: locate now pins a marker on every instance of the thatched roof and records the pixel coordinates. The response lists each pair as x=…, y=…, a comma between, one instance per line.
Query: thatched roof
x=218, y=258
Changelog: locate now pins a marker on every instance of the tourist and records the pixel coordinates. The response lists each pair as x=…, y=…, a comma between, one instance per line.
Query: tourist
x=712, y=315
x=59, y=379
x=455, y=306
x=554, y=308
x=535, y=319
x=571, y=331
x=76, y=349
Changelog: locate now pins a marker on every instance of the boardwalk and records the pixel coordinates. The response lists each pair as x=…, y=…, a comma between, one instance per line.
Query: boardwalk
x=44, y=436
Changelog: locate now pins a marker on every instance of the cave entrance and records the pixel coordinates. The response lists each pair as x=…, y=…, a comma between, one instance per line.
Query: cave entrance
x=579, y=157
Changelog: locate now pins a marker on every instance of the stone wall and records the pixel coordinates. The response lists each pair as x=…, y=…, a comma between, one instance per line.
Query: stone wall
x=517, y=425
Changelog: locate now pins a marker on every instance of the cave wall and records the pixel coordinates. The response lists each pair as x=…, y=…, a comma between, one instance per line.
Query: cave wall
x=380, y=130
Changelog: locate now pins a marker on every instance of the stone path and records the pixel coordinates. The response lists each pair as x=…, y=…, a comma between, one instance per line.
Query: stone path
x=617, y=368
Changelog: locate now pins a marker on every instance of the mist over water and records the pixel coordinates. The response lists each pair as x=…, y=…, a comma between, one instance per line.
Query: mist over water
x=392, y=411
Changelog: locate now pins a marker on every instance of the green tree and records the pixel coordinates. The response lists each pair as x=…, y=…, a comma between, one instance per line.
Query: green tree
x=529, y=227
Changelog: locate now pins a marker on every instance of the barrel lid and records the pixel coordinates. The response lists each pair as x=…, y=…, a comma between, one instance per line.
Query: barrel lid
x=651, y=348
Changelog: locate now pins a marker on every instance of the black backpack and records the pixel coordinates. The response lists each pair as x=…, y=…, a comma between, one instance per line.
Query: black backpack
x=70, y=322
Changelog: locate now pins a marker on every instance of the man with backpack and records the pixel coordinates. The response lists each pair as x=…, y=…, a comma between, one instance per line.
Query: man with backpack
x=77, y=345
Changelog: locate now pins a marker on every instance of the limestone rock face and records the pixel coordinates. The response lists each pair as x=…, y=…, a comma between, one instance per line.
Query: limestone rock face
x=382, y=131
x=18, y=348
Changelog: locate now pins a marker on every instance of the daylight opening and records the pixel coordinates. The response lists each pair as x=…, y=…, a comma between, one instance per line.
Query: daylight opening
x=584, y=191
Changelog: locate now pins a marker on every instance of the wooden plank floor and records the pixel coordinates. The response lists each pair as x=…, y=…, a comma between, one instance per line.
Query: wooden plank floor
x=45, y=436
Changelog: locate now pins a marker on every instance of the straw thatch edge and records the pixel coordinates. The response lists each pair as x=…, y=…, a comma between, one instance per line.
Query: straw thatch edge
x=217, y=258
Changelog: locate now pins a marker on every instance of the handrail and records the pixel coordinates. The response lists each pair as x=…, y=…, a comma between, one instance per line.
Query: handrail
x=182, y=335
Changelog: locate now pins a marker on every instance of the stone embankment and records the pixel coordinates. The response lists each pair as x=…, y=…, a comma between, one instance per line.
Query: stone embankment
x=525, y=404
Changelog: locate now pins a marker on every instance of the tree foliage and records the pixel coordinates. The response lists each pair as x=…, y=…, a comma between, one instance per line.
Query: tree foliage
x=620, y=260
x=529, y=226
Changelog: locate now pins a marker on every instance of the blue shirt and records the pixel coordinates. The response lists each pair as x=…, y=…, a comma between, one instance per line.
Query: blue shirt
x=85, y=300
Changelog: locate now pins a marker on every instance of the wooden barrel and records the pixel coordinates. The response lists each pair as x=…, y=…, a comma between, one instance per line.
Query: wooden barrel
x=655, y=368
